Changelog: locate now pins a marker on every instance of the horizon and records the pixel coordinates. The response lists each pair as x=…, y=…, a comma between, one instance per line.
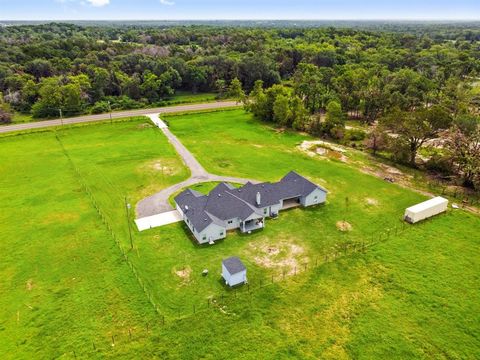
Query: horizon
x=217, y=10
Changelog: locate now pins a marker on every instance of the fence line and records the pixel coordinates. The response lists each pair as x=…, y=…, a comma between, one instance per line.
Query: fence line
x=219, y=301
x=110, y=231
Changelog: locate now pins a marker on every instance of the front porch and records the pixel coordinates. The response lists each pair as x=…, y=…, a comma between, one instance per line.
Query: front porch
x=251, y=225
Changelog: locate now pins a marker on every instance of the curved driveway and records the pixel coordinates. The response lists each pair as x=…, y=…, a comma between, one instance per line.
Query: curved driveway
x=158, y=203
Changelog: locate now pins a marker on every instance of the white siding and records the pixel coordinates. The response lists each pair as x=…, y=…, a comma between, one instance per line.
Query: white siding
x=232, y=224
x=179, y=209
x=426, y=209
x=235, y=279
x=317, y=196
x=211, y=233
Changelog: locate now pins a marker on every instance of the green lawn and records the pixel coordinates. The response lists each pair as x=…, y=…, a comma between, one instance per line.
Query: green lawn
x=180, y=97
x=19, y=118
x=414, y=295
x=189, y=97
x=64, y=286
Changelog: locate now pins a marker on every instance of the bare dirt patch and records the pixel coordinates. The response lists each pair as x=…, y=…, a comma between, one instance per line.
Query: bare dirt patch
x=184, y=274
x=344, y=226
x=371, y=201
x=164, y=166
x=389, y=172
x=324, y=149
x=144, y=126
x=29, y=285
x=284, y=256
x=258, y=146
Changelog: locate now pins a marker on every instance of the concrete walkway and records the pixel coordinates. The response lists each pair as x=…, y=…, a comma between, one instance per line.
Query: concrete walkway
x=158, y=203
x=162, y=219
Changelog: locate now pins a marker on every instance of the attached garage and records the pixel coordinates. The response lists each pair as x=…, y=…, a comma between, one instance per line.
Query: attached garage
x=290, y=203
x=425, y=210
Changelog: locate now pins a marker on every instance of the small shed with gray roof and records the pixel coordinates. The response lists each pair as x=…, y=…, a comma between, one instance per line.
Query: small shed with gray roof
x=233, y=271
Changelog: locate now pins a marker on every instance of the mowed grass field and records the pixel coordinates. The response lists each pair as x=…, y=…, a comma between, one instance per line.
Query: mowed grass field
x=415, y=295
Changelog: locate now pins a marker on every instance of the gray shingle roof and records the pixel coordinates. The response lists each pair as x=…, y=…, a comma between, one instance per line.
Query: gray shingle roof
x=192, y=204
x=223, y=205
x=226, y=202
x=234, y=265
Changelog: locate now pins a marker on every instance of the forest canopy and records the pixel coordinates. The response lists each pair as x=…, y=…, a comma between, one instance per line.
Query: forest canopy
x=415, y=81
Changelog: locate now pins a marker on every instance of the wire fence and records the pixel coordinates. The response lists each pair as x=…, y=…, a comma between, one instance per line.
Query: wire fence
x=220, y=301
x=465, y=196
x=109, y=228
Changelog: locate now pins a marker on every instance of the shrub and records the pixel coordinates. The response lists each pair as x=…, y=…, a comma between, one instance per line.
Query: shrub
x=100, y=107
x=5, y=116
x=440, y=164
x=355, y=135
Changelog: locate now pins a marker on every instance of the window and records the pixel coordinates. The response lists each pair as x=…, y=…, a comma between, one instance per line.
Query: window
x=265, y=211
x=204, y=237
x=315, y=198
x=230, y=221
x=221, y=233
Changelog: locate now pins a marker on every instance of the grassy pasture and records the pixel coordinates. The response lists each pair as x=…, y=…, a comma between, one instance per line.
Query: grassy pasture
x=413, y=296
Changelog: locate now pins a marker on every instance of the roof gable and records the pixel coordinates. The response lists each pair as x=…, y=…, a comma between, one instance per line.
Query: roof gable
x=233, y=265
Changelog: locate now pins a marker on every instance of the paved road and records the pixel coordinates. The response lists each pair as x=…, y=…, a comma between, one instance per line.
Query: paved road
x=158, y=203
x=117, y=115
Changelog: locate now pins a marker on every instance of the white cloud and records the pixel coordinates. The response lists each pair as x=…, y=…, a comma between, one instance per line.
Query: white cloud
x=98, y=3
x=167, y=2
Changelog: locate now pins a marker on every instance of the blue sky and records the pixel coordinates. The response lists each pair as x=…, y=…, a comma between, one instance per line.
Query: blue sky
x=238, y=9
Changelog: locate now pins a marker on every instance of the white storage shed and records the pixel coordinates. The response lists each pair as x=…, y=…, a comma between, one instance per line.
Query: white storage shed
x=233, y=271
x=426, y=209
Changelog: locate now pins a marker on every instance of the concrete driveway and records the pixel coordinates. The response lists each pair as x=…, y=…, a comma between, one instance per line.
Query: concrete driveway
x=162, y=219
x=158, y=203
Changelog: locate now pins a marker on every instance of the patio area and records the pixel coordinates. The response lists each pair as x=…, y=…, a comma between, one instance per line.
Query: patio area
x=251, y=225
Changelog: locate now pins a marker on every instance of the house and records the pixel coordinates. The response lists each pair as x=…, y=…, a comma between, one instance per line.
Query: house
x=426, y=209
x=233, y=271
x=209, y=217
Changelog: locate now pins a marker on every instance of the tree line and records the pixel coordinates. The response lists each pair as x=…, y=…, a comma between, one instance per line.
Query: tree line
x=409, y=82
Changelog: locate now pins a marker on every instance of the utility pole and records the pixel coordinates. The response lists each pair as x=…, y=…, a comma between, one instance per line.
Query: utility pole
x=127, y=208
x=110, y=111
x=61, y=116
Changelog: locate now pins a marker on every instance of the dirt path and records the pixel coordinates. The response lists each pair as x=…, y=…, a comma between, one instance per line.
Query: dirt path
x=158, y=203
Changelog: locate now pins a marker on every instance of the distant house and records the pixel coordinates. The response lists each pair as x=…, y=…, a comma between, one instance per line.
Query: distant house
x=233, y=271
x=209, y=217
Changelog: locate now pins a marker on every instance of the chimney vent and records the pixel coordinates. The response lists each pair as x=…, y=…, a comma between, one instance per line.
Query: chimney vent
x=259, y=198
